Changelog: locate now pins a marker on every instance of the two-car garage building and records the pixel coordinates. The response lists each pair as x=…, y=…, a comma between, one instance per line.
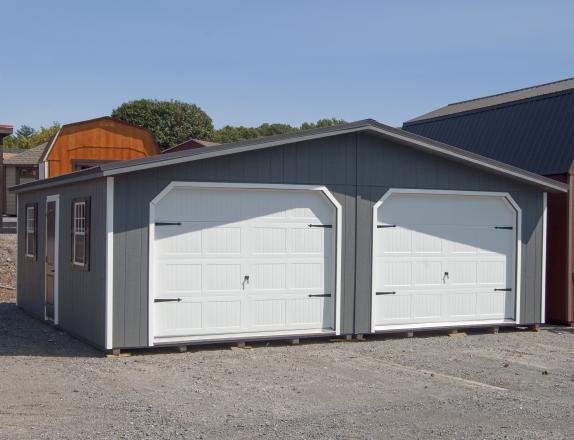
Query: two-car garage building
x=351, y=229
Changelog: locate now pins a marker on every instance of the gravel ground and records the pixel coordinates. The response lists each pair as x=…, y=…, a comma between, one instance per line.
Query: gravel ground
x=514, y=385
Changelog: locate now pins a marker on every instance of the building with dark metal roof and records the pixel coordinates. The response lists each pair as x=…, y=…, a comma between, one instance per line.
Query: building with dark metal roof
x=533, y=129
x=351, y=229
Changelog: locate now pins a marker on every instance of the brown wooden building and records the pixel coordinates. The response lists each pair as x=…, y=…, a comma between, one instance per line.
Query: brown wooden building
x=75, y=147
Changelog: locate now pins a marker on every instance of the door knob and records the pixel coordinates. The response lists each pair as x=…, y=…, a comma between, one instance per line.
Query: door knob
x=245, y=280
x=445, y=277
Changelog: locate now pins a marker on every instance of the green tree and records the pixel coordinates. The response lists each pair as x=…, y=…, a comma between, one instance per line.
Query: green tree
x=328, y=122
x=171, y=122
x=233, y=134
x=27, y=137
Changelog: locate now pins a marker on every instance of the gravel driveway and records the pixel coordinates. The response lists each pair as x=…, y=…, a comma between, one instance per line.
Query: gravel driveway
x=517, y=384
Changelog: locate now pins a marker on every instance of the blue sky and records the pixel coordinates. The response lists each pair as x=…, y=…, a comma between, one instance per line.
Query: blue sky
x=253, y=61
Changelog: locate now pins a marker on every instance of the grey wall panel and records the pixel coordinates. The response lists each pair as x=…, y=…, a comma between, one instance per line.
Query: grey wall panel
x=82, y=294
x=330, y=162
x=383, y=165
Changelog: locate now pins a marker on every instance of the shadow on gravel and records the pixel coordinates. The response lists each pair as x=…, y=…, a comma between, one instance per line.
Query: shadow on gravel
x=22, y=335
x=560, y=330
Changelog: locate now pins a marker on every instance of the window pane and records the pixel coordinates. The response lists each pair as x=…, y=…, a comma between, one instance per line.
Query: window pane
x=79, y=249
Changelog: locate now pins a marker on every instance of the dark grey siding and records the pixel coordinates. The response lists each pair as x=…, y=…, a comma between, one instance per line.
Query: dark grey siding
x=82, y=294
x=357, y=168
x=534, y=134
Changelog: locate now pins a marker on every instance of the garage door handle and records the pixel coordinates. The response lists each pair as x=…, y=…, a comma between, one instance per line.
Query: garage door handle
x=508, y=289
x=385, y=293
x=320, y=226
x=386, y=226
x=168, y=223
x=163, y=300
x=319, y=295
x=503, y=227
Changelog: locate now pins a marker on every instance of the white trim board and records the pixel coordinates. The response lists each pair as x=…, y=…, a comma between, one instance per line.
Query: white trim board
x=109, y=262
x=53, y=198
x=518, y=254
x=270, y=186
x=544, y=229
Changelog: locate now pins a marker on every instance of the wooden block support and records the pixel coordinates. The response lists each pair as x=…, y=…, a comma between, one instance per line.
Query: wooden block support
x=116, y=352
x=534, y=328
x=409, y=334
x=181, y=348
x=361, y=337
x=452, y=331
x=240, y=344
x=348, y=337
x=294, y=341
x=493, y=330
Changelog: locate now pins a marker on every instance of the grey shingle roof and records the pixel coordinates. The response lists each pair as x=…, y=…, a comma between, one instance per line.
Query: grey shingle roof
x=501, y=98
x=368, y=125
x=31, y=156
x=535, y=134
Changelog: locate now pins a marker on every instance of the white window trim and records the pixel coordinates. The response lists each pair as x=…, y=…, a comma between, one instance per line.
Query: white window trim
x=518, y=258
x=74, y=233
x=206, y=185
x=27, y=220
x=544, y=229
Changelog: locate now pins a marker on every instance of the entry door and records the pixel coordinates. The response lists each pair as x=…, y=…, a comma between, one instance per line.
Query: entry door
x=231, y=262
x=50, y=261
x=444, y=259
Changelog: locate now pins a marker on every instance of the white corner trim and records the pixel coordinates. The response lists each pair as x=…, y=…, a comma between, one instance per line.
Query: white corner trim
x=518, y=251
x=45, y=157
x=53, y=198
x=544, y=231
x=206, y=185
x=109, y=262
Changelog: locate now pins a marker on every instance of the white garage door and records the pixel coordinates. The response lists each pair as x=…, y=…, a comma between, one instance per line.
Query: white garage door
x=243, y=261
x=443, y=259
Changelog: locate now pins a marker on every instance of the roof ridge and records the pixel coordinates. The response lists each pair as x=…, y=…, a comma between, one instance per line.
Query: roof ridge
x=510, y=92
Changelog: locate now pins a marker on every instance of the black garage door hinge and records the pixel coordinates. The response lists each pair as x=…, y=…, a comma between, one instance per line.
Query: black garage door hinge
x=319, y=295
x=167, y=223
x=164, y=300
x=385, y=293
x=386, y=226
x=320, y=226
x=503, y=227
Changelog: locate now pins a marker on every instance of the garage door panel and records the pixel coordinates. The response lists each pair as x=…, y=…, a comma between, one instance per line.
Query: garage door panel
x=268, y=240
x=426, y=306
x=447, y=268
x=179, y=279
x=222, y=240
x=392, y=241
x=244, y=267
x=268, y=276
x=222, y=277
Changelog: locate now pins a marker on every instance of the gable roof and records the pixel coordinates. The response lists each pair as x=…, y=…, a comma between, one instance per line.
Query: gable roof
x=500, y=98
x=367, y=125
x=189, y=144
x=532, y=129
x=30, y=156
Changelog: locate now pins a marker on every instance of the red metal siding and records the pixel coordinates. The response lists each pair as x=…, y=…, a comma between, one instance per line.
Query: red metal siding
x=557, y=273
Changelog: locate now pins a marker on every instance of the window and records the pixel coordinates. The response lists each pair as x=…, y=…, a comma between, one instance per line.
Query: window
x=81, y=233
x=31, y=230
